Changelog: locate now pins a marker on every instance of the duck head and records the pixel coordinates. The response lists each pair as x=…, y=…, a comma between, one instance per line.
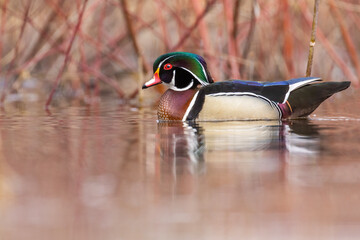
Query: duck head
x=180, y=71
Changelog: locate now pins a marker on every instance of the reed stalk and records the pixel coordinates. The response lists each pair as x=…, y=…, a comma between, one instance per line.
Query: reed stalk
x=312, y=38
x=330, y=48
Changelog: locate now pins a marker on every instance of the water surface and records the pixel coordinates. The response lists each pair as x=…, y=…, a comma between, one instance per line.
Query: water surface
x=112, y=172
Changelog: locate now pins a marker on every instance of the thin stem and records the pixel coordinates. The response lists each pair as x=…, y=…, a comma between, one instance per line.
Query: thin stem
x=329, y=48
x=44, y=34
x=231, y=41
x=349, y=44
x=16, y=52
x=250, y=35
x=67, y=55
x=188, y=32
x=131, y=31
x=312, y=39
x=2, y=26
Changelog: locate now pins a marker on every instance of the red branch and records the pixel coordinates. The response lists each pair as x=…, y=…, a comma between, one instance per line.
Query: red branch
x=67, y=54
x=186, y=35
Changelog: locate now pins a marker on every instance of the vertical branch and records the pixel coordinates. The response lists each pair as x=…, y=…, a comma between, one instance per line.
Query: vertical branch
x=288, y=38
x=349, y=44
x=160, y=19
x=131, y=31
x=193, y=26
x=22, y=29
x=205, y=39
x=175, y=14
x=16, y=51
x=44, y=33
x=99, y=59
x=312, y=39
x=329, y=47
x=67, y=54
x=232, y=47
x=100, y=34
x=235, y=17
x=251, y=32
x=84, y=75
x=140, y=79
x=2, y=26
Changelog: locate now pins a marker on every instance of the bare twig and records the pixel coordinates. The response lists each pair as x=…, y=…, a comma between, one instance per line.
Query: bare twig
x=232, y=47
x=160, y=19
x=236, y=12
x=2, y=26
x=312, y=39
x=45, y=31
x=67, y=55
x=16, y=51
x=188, y=32
x=288, y=38
x=131, y=31
x=174, y=14
x=205, y=40
x=349, y=44
x=329, y=47
x=251, y=32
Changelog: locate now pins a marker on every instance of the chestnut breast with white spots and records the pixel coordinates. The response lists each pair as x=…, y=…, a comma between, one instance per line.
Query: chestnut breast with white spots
x=173, y=104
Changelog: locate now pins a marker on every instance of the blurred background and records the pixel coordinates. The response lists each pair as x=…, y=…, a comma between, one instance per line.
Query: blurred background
x=96, y=169
x=84, y=50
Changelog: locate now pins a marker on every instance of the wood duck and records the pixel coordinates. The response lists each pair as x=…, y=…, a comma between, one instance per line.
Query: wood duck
x=193, y=95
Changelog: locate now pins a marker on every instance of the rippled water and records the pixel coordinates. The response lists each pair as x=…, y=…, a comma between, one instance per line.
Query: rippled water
x=112, y=172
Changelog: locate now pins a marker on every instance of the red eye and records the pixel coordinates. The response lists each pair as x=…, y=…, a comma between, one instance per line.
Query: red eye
x=168, y=66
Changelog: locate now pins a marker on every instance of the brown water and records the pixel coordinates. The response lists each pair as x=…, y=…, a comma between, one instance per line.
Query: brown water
x=112, y=172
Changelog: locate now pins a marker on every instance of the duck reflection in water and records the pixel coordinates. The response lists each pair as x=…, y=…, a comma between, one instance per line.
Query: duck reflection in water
x=192, y=144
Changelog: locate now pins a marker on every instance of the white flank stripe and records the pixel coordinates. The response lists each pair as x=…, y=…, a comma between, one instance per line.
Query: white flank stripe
x=238, y=94
x=271, y=103
x=294, y=86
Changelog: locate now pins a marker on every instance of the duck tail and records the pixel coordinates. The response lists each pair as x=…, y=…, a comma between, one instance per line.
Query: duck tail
x=305, y=100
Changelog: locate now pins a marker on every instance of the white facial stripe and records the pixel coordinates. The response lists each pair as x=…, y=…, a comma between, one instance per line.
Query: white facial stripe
x=164, y=60
x=201, y=82
x=173, y=79
x=202, y=67
x=173, y=87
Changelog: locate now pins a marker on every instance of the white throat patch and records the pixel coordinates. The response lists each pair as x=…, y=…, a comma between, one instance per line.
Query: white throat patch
x=172, y=86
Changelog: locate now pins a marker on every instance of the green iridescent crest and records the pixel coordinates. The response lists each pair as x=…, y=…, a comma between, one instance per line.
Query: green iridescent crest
x=191, y=62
